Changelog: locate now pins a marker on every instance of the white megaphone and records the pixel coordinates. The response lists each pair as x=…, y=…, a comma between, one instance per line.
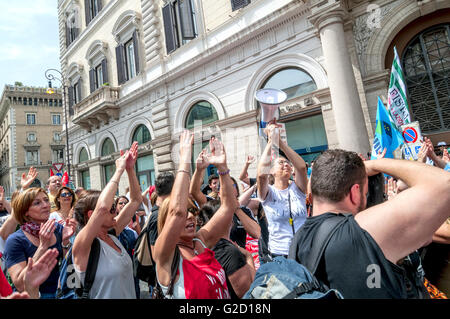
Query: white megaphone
x=269, y=99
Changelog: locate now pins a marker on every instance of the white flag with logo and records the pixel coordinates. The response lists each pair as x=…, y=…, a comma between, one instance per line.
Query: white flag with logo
x=397, y=101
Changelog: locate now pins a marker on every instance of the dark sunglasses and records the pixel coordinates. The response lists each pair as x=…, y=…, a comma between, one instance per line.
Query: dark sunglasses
x=122, y=203
x=66, y=195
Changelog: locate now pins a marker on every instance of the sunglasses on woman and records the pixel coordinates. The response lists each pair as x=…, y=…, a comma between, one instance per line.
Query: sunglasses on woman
x=66, y=195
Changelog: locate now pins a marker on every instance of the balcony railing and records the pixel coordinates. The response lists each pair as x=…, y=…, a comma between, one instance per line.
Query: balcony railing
x=97, y=109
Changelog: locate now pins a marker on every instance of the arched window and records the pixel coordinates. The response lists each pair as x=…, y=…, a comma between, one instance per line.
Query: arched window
x=107, y=147
x=84, y=156
x=141, y=134
x=294, y=82
x=426, y=64
x=201, y=111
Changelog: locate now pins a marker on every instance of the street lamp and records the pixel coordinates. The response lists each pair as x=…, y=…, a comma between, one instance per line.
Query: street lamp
x=50, y=77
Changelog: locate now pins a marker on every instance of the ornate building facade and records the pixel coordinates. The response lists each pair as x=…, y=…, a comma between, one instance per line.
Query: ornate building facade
x=30, y=134
x=145, y=70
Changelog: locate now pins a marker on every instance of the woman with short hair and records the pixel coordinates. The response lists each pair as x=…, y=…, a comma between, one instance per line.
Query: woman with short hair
x=37, y=234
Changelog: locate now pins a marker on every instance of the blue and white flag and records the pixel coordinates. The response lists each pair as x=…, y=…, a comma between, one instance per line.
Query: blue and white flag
x=386, y=134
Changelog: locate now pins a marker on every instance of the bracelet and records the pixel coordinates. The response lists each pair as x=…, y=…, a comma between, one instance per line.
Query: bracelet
x=184, y=171
x=223, y=173
x=67, y=246
x=111, y=181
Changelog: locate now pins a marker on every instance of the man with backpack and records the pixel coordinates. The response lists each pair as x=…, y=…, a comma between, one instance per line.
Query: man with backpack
x=365, y=245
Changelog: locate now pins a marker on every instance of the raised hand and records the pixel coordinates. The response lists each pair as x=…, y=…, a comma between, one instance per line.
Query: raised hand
x=127, y=159
x=186, y=142
x=38, y=272
x=392, y=188
x=250, y=159
x=217, y=156
x=69, y=229
x=422, y=155
x=202, y=160
x=381, y=154
x=27, y=179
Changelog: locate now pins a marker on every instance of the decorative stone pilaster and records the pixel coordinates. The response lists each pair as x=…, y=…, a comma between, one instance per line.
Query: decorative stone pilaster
x=328, y=18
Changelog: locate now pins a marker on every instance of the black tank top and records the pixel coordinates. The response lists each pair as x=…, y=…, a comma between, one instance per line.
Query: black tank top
x=353, y=263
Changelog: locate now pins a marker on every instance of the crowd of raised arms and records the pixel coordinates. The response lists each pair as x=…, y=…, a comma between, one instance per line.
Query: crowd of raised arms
x=386, y=224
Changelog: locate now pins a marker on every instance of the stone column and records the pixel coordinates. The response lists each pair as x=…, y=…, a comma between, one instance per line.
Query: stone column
x=348, y=114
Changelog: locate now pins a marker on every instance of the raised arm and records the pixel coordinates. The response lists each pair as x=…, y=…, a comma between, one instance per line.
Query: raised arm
x=196, y=183
x=126, y=214
x=244, y=173
x=301, y=171
x=219, y=225
x=28, y=179
x=412, y=217
x=262, y=177
x=176, y=217
x=84, y=239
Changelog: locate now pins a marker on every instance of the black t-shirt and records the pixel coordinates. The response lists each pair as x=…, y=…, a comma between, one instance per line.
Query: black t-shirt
x=353, y=263
x=231, y=260
x=238, y=233
x=153, y=225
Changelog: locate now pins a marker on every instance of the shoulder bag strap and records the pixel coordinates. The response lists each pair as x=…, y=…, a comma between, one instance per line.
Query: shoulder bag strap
x=91, y=268
x=321, y=240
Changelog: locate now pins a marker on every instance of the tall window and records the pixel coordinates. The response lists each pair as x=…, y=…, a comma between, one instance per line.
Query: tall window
x=98, y=75
x=201, y=111
x=84, y=156
x=294, y=82
x=127, y=58
x=56, y=119
x=141, y=134
x=130, y=60
x=92, y=8
x=84, y=174
x=237, y=4
x=31, y=119
x=305, y=135
x=426, y=64
x=32, y=157
x=58, y=156
x=179, y=23
x=107, y=147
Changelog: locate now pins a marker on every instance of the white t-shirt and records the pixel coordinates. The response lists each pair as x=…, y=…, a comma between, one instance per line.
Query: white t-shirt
x=276, y=208
x=114, y=276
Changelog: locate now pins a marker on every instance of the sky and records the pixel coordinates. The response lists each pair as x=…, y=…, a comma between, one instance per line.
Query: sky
x=29, y=41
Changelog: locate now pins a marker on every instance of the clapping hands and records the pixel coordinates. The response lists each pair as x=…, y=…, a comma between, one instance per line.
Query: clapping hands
x=128, y=159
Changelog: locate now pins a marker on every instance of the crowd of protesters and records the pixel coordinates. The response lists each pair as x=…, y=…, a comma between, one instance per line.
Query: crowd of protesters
x=208, y=241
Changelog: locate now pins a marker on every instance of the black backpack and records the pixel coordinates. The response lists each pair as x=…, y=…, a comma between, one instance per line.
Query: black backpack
x=143, y=263
x=287, y=279
x=69, y=286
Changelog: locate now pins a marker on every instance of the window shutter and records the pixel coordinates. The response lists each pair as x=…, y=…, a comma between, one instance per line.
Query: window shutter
x=105, y=72
x=120, y=65
x=186, y=19
x=67, y=36
x=169, y=28
x=136, y=50
x=87, y=10
x=79, y=93
x=70, y=93
x=92, y=80
x=237, y=4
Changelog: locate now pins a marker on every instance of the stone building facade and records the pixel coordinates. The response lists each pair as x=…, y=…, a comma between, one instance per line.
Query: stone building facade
x=145, y=70
x=30, y=127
